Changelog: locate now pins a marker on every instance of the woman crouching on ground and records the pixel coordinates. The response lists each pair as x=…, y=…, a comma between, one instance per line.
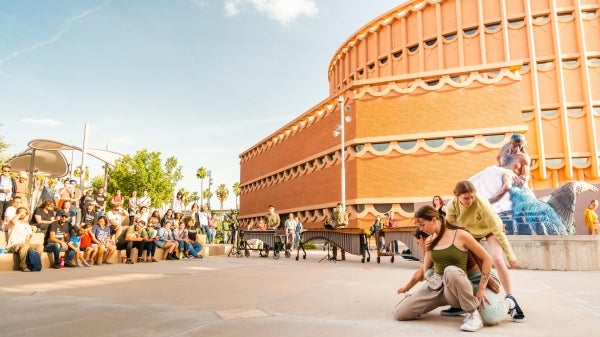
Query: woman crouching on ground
x=447, y=253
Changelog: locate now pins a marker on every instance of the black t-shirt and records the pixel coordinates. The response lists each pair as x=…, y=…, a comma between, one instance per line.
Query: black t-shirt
x=61, y=231
x=100, y=200
x=89, y=218
x=45, y=216
x=192, y=232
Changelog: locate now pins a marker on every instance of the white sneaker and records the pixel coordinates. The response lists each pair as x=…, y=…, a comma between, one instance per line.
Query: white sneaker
x=472, y=322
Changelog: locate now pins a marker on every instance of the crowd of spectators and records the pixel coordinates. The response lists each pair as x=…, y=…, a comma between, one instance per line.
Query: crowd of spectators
x=80, y=232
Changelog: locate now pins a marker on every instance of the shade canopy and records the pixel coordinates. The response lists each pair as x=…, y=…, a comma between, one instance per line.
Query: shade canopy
x=49, y=160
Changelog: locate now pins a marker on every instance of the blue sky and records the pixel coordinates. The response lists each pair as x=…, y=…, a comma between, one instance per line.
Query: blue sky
x=201, y=80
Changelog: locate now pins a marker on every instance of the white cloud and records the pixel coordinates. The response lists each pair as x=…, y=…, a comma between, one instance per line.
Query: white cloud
x=43, y=121
x=284, y=11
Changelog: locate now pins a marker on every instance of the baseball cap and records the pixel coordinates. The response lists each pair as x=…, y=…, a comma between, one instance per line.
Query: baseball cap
x=62, y=212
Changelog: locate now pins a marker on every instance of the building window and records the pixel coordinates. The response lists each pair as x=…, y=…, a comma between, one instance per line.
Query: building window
x=431, y=42
x=407, y=145
x=382, y=208
x=359, y=147
x=492, y=27
x=397, y=54
x=381, y=146
x=359, y=208
x=549, y=112
x=413, y=48
x=574, y=112
x=542, y=19
x=494, y=139
x=581, y=161
x=516, y=23
x=464, y=141
x=434, y=142
x=383, y=60
x=449, y=37
x=471, y=31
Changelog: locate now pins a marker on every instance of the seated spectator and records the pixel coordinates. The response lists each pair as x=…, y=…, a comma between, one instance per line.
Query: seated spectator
x=101, y=232
x=56, y=238
x=165, y=240
x=87, y=215
x=115, y=219
x=19, y=236
x=11, y=211
x=168, y=217
x=74, y=245
x=43, y=215
x=129, y=239
x=181, y=236
x=149, y=236
x=193, y=231
x=142, y=215
x=88, y=245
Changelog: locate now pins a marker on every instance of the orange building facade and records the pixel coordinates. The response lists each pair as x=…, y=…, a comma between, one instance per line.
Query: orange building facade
x=434, y=89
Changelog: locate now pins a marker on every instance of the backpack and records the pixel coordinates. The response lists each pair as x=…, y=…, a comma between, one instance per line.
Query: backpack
x=34, y=262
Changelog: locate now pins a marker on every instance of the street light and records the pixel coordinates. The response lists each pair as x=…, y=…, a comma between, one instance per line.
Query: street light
x=339, y=131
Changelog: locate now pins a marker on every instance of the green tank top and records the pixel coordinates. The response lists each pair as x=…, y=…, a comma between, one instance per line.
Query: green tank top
x=450, y=256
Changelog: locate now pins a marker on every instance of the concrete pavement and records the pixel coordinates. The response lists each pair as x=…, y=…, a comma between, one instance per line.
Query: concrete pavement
x=230, y=296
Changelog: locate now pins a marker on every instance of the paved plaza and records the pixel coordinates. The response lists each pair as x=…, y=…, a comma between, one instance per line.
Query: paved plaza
x=262, y=297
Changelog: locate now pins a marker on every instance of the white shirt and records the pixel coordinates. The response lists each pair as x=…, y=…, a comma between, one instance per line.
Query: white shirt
x=18, y=234
x=116, y=217
x=488, y=182
x=177, y=205
x=203, y=217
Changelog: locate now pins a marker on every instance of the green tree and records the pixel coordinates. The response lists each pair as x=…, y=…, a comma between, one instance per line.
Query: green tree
x=97, y=182
x=145, y=170
x=195, y=196
x=185, y=196
x=236, y=191
x=207, y=194
x=201, y=174
x=222, y=194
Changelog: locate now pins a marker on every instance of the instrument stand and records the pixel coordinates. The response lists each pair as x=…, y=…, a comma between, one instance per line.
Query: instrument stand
x=328, y=256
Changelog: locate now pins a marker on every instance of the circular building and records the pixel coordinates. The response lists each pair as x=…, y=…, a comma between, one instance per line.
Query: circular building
x=433, y=89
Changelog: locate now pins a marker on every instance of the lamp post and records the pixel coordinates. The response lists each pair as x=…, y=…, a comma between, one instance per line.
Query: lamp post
x=339, y=131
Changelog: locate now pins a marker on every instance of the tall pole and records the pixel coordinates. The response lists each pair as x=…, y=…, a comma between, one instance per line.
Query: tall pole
x=343, y=155
x=83, y=155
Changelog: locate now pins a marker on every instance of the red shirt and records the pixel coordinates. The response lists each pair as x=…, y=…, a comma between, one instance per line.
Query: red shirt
x=86, y=240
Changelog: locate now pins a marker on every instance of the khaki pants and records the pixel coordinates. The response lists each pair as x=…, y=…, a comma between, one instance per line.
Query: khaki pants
x=22, y=249
x=453, y=288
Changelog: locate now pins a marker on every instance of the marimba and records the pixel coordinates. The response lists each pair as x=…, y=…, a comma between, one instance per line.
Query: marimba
x=352, y=240
x=272, y=240
x=404, y=234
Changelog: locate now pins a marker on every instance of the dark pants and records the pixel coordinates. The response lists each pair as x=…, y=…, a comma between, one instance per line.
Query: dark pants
x=129, y=245
x=3, y=206
x=150, y=248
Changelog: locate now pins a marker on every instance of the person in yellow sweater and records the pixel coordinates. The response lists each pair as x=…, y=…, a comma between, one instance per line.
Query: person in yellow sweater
x=591, y=218
x=477, y=216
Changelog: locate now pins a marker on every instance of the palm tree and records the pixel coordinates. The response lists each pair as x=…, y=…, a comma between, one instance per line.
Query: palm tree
x=86, y=175
x=236, y=191
x=201, y=174
x=195, y=196
x=185, y=196
x=222, y=194
x=207, y=194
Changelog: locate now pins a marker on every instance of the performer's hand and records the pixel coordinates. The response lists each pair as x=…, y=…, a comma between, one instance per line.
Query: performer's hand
x=483, y=301
x=513, y=264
